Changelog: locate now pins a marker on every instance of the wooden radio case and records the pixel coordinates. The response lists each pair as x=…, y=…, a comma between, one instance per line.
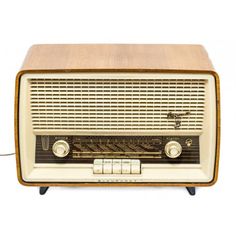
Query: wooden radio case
x=117, y=115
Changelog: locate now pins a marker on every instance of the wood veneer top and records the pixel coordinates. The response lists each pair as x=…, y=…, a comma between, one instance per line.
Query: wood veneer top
x=117, y=57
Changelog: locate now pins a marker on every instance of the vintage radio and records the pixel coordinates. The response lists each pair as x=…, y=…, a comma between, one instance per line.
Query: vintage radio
x=112, y=115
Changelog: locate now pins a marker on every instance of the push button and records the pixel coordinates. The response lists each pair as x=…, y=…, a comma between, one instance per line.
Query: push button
x=135, y=166
x=107, y=166
x=116, y=166
x=126, y=166
x=98, y=166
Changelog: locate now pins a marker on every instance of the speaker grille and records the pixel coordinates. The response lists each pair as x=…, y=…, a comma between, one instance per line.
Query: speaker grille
x=116, y=102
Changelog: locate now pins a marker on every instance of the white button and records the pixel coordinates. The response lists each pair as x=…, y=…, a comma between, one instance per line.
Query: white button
x=126, y=166
x=98, y=166
x=135, y=166
x=107, y=166
x=116, y=166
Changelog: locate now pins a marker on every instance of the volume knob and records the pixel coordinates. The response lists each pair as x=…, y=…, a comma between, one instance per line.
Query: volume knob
x=61, y=148
x=173, y=149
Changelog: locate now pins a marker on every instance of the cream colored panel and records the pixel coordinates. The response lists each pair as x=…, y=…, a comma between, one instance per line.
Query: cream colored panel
x=27, y=138
x=198, y=89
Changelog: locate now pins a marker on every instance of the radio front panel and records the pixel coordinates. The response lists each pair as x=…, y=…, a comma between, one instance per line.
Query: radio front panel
x=117, y=127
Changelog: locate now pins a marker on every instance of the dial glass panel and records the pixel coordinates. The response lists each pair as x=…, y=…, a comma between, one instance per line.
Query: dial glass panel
x=148, y=149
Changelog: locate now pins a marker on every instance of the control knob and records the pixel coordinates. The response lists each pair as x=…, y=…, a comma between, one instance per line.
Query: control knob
x=61, y=148
x=173, y=149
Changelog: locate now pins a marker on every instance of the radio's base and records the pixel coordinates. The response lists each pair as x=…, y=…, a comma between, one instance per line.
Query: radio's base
x=191, y=190
x=43, y=190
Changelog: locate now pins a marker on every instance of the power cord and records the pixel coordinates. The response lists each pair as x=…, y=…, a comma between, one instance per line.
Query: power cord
x=7, y=154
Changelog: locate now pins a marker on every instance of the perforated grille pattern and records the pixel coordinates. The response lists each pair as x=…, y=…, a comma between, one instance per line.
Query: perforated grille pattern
x=115, y=103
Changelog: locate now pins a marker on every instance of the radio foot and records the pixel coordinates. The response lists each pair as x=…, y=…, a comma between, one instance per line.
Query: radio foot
x=191, y=190
x=43, y=190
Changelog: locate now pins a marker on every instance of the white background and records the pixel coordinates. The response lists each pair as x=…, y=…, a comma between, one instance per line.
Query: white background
x=118, y=211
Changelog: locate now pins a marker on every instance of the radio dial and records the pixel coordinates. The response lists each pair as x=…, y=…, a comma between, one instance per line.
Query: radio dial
x=173, y=149
x=61, y=148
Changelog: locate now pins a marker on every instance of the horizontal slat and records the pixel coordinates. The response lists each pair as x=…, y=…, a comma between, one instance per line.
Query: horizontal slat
x=112, y=106
x=112, y=117
x=71, y=89
x=94, y=124
x=120, y=96
x=80, y=112
x=118, y=80
x=47, y=127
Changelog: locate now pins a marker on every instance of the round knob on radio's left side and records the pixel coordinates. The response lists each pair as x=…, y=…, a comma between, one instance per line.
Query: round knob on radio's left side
x=173, y=149
x=61, y=148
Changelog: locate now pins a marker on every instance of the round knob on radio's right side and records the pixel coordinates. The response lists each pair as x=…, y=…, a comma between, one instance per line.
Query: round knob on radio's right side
x=173, y=149
x=61, y=148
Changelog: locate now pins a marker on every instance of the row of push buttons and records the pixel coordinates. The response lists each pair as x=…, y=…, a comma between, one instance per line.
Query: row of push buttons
x=116, y=166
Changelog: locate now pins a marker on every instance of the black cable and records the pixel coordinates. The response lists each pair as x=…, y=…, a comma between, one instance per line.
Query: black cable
x=7, y=154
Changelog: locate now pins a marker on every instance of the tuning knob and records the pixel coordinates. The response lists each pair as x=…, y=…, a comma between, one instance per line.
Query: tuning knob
x=61, y=148
x=173, y=149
